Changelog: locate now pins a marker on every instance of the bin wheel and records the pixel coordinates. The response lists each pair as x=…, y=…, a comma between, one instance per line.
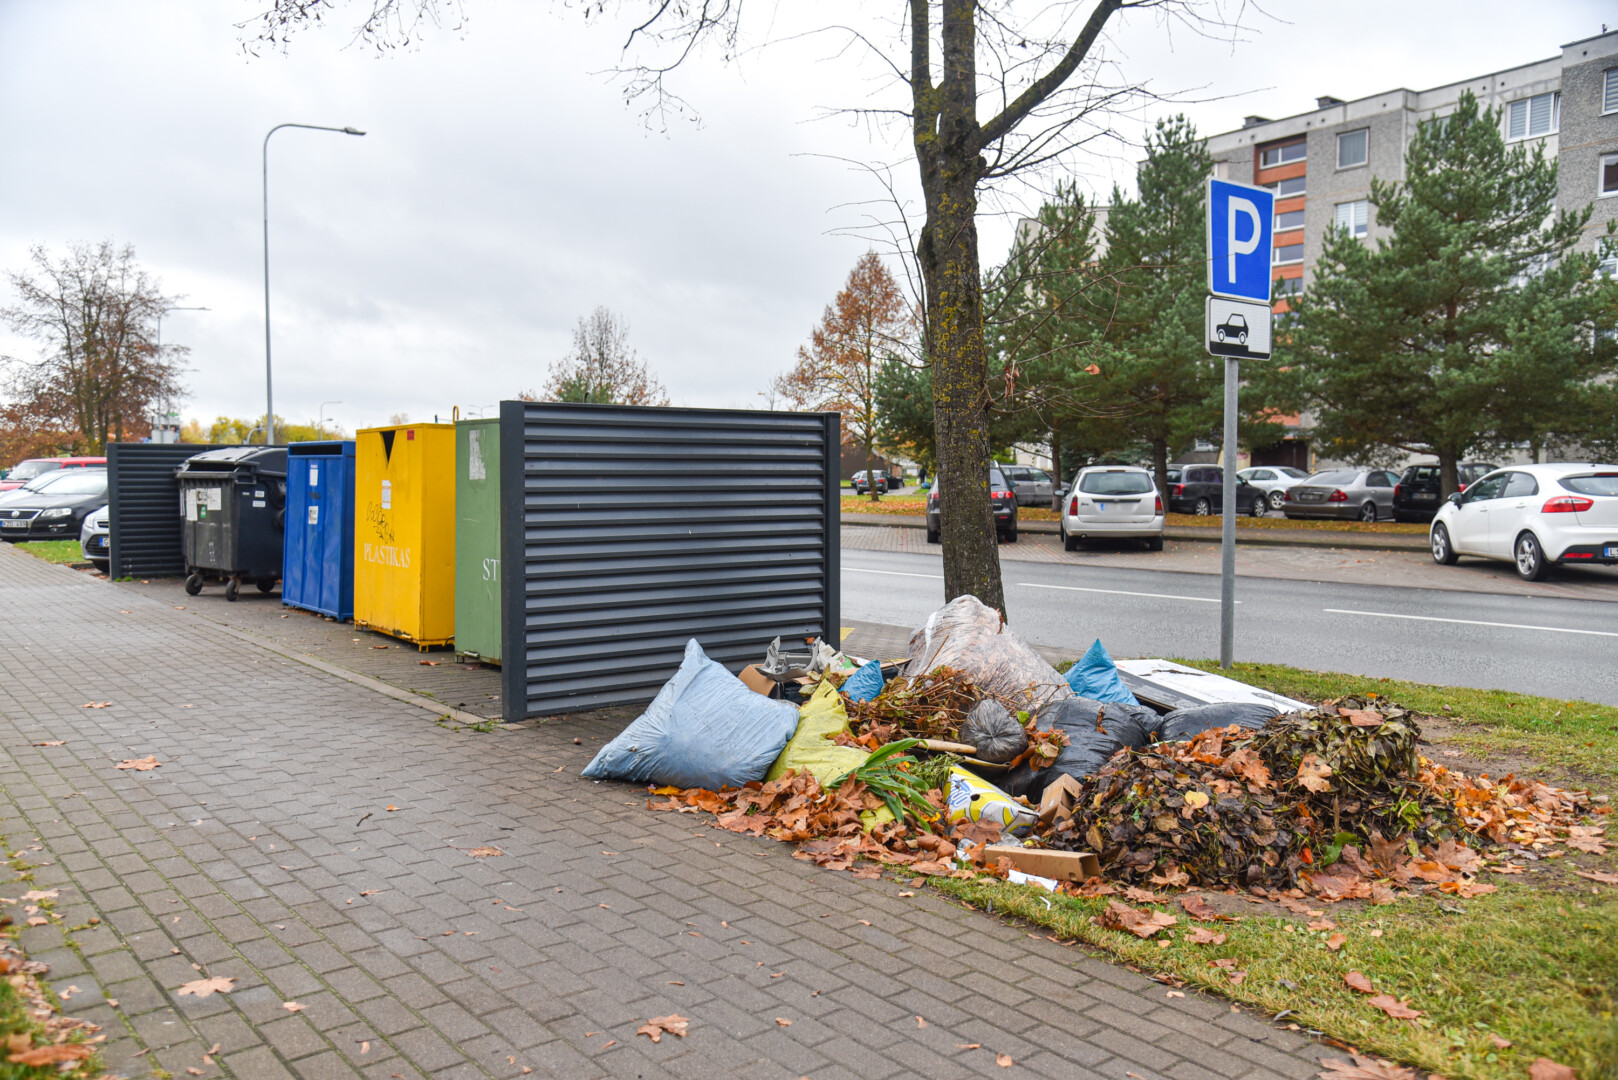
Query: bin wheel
x=193, y=584
x=266, y=584
x=233, y=589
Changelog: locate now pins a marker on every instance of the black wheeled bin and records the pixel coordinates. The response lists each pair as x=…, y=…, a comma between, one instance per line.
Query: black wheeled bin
x=233, y=510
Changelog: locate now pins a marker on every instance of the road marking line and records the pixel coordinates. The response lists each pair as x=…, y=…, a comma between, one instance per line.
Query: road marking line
x=1472, y=622
x=1121, y=592
x=893, y=573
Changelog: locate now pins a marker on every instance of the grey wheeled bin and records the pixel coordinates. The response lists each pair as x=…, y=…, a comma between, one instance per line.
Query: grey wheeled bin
x=233, y=509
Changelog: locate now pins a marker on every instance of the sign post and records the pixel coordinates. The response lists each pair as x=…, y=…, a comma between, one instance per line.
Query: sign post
x=1240, y=223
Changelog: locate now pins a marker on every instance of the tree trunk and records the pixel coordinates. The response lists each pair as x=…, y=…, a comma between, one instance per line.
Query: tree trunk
x=1056, y=470
x=1449, y=477
x=870, y=474
x=1160, y=469
x=947, y=156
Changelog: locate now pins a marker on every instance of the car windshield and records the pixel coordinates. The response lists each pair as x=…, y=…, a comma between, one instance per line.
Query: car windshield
x=1173, y=476
x=30, y=469
x=1115, y=483
x=1599, y=484
x=1336, y=476
x=75, y=482
x=997, y=480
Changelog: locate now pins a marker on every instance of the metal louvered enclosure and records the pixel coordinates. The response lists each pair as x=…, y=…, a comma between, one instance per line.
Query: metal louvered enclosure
x=626, y=531
x=143, y=507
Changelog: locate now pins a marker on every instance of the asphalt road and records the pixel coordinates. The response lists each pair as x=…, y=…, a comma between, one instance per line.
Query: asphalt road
x=1550, y=646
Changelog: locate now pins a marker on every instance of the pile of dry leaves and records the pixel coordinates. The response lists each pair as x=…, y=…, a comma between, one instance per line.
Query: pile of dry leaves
x=1335, y=802
x=825, y=824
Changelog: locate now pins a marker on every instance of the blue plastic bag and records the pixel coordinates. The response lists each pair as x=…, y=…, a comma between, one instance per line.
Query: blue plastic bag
x=866, y=683
x=1096, y=677
x=704, y=729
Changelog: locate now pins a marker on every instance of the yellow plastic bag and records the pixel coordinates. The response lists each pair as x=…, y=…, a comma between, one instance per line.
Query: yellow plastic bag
x=810, y=750
x=972, y=798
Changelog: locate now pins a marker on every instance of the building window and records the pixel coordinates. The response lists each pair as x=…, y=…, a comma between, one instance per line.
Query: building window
x=1609, y=174
x=1353, y=148
x=1286, y=189
x=1527, y=118
x=1354, y=217
x=1609, y=91
x=1291, y=253
x=1292, y=219
x=1272, y=156
x=1288, y=286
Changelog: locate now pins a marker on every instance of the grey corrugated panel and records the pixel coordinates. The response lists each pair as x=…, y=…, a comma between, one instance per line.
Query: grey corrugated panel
x=143, y=500
x=627, y=531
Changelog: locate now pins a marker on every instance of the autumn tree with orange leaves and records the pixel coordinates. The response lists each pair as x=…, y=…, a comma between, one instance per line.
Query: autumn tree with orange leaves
x=869, y=322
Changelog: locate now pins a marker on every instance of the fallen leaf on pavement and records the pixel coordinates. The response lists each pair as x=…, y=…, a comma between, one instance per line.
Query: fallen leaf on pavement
x=969, y=1046
x=1357, y=981
x=1198, y=908
x=53, y=742
x=96, y=705
x=1204, y=936
x=193, y=1070
x=783, y=1021
x=41, y=894
x=920, y=1023
x=485, y=852
x=1546, y=1069
x=428, y=663
x=1395, y=1008
x=38, y=920
x=378, y=646
x=1003, y=1060
x=1336, y=941
x=51, y=1055
x=673, y=1024
x=1363, y=1068
x=204, y=987
x=144, y=764
x=293, y=1006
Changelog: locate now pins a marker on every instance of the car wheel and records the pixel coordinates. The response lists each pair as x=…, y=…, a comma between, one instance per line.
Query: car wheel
x=1202, y=508
x=1530, y=559
x=1368, y=512
x=932, y=536
x=1155, y=544
x=1443, y=551
x=193, y=584
x=233, y=589
x=1258, y=507
x=1278, y=500
x=1070, y=543
x=100, y=564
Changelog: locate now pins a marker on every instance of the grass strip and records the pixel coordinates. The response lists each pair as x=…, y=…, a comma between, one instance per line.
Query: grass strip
x=1536, y=969
x=60, y=552
x=1578, y=740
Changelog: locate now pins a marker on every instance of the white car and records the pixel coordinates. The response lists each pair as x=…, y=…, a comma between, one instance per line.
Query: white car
x=95, y=538
x=1533, y=515
x=1273, y=480
x=1107, y=502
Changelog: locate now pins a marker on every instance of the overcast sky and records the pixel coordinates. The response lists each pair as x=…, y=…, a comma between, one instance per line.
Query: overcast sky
x=503, y=188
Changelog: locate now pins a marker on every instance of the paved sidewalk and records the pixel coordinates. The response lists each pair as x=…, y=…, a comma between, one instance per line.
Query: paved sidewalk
x=263, y=849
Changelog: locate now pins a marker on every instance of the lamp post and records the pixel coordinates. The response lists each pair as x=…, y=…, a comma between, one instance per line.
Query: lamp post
x=269, y=386
x=320, y=425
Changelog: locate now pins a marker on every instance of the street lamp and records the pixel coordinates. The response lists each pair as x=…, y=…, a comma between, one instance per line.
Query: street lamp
x=269, y=388
x=320, y=425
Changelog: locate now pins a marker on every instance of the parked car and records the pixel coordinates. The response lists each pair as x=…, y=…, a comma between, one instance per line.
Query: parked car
x=1273, y=480
x=1200, y=490
x=1415, y=496
x=1533, y=515
x=32, y=468
x=95, y=538
x=56, y=508
x=1001, y=496
x=863, y=486
x=1033, y=486
x=1113, y=501
x=1348, y=494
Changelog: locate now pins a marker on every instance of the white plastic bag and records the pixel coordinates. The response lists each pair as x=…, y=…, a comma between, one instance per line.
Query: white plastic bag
x=968, y=634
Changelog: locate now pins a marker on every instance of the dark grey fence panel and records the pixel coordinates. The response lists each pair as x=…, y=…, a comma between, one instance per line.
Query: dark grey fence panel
x=627, y=531
x=144, y=502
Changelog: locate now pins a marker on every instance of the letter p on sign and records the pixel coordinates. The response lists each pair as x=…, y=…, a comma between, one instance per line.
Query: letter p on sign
x=1240, y=220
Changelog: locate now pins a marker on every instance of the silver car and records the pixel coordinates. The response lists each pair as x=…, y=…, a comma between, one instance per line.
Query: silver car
x=1112, y=502
x=95, y=538
x=1033, y=486
x=1349, y=494
x=1273, y=480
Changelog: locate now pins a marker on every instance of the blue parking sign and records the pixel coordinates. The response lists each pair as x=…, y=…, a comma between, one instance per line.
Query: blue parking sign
x=1241, y=219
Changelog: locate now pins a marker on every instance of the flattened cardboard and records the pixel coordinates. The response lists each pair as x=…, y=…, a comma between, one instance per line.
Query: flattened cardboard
x=1039, y=862
x=758, y=682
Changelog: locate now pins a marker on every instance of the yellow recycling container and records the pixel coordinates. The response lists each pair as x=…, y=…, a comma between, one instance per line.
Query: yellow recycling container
x=404, y=532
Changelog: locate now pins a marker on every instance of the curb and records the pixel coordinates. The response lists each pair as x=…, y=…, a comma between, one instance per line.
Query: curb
x=1210, y=534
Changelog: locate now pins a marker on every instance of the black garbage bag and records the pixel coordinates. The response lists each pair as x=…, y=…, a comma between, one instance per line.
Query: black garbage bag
x=1182, y=724
x=995, y=732
x=1095, y=731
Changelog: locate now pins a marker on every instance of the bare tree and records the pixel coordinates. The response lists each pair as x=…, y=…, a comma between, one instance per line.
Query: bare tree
x=1041, y=73
x=99, y=372
x=602, y=367
x=866, y=324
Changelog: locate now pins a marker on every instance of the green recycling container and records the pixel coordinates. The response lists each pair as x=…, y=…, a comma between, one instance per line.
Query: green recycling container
x=477, y=540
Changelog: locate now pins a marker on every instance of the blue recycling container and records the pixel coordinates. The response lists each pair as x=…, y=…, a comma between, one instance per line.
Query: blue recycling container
x=318, y=568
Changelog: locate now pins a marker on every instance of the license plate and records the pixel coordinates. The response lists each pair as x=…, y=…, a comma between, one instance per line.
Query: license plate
x=1423, y=496
x=1309, y=497
x=13, y=524
x=1610, y=551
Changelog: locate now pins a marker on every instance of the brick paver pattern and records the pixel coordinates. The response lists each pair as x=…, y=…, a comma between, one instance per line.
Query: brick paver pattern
x=264, y=849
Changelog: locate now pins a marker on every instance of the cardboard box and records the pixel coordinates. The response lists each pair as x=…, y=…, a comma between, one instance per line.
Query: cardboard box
x=758, y=682
x=1040, y=862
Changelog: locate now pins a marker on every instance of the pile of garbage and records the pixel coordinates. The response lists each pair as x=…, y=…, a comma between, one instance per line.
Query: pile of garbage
x=976, y=752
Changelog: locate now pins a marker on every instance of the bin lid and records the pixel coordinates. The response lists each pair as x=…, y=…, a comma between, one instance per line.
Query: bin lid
x=229, y=460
